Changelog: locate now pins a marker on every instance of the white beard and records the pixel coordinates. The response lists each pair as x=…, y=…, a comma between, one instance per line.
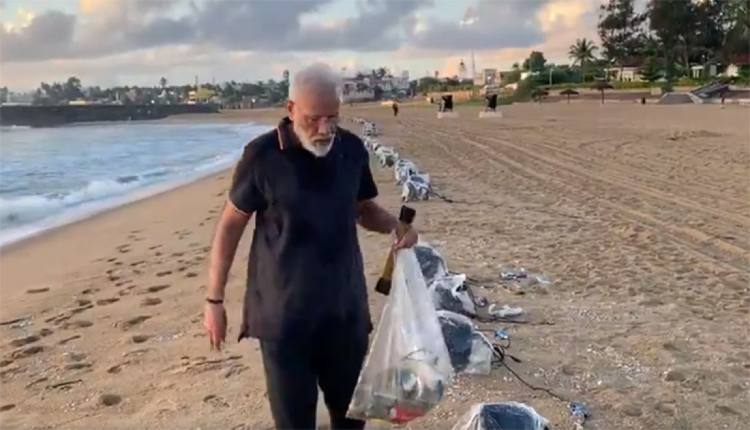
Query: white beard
x=317, y=149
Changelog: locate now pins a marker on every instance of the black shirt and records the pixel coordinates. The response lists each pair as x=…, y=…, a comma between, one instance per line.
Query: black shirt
x=305, y=268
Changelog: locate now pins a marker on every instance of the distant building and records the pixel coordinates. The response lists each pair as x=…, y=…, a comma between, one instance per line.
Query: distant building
x=700, y=71
x=357, y=90
x=624, y=74
x=486, y=77
x=201, y=95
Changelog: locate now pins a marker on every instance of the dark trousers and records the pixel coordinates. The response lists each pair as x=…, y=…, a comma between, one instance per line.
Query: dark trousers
x=295, y=368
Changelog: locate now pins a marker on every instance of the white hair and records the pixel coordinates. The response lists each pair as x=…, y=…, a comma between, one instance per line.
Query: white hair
x=317, y=76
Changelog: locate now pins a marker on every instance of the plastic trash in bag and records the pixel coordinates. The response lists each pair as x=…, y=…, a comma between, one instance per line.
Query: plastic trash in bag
x=408, y=366
x=403, y=169
x=386, y=155
x=501, y=416
x=579, y=411
x=412, y=190
x=470, y=351
x=522, y=276
x=504, y=312
x=450, y=293
x=431, y=262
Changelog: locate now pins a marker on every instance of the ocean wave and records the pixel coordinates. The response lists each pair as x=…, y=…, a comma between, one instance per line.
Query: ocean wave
x=22, y=209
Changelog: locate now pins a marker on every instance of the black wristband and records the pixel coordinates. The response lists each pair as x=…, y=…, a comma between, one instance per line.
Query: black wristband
x=215, y=301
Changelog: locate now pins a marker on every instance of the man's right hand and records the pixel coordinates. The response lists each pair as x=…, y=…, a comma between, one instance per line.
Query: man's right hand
x=215, y=322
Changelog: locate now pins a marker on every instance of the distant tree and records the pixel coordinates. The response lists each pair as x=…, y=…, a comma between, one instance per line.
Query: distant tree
x=667, y=21
x=651, y=70
x=582, y=53
x=535, y=62
x=621, y=30
x=516, y=66
x=163, y=82
x=511, y=77
x=4, y=95
x=72, y=89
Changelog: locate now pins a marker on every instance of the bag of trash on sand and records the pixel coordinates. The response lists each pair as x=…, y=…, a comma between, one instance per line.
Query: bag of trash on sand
x=408, y=366
x=432, y=263
x=451, y=293
x=470, y=351
x=501, y=416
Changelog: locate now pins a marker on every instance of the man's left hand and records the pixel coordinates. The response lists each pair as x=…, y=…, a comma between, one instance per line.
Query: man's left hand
x=409, y=239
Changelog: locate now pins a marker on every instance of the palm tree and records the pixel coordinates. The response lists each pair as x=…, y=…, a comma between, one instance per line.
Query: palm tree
x=582, y=53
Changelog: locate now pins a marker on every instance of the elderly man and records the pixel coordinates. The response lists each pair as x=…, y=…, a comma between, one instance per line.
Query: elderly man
x=309, y=184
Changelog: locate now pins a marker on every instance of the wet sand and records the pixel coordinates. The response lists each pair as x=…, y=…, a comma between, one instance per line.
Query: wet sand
x=639, y=214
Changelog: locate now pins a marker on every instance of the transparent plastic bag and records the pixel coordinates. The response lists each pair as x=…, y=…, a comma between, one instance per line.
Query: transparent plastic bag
x=408, y=366
x=501, y=416
x=432, y=263
x=451, y=293
x=470, y=351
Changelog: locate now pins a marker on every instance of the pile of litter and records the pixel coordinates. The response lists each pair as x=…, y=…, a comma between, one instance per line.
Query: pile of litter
x=501, y=416
x=470, y=350
x=415, y=184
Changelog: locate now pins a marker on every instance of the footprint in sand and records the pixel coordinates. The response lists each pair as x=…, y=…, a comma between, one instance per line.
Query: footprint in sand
x=151, y=301
x=104, y=302
x=26, y=352
x=76, y=324
x=157, y=288
x=140, y=338
x=109, y=399
x=110, y=260
x=78, y=366
x=37, y=290
x=75, y=356
x=68, y=339
x=191, y=275
x=151, y=248
x=7, y=407
x=45, y=332
x=90, y=291
x=117, y=368
x=21, y=341
x=178, y=254
x=64, y=385
x=83, y=302
x=132, y=322
x=215, y=401
x=164, y=273
x=80, y=309
x=6, y=362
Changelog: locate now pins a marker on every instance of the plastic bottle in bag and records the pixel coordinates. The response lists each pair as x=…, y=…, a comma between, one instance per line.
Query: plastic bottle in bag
x=408, y=366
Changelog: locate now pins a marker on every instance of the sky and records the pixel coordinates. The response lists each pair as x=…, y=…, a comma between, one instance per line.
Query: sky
x=136, y=42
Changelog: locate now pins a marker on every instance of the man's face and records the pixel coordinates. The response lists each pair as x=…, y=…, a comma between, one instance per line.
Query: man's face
x=315, y=115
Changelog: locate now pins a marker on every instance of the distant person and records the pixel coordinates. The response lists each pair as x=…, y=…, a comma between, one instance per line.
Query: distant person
x=395, y=108
x=447, y=103
x=643, y=100
x=308, y=184
x=491, y=103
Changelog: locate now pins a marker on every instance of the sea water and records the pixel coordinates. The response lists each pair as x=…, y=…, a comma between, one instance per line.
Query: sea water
x=53, y=176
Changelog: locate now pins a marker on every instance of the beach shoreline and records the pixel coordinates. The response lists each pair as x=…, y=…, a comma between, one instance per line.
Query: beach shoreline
x=639, y=215
x=93, y=208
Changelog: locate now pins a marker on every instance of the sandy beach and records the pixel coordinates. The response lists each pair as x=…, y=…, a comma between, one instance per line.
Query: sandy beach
x=640, y=216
